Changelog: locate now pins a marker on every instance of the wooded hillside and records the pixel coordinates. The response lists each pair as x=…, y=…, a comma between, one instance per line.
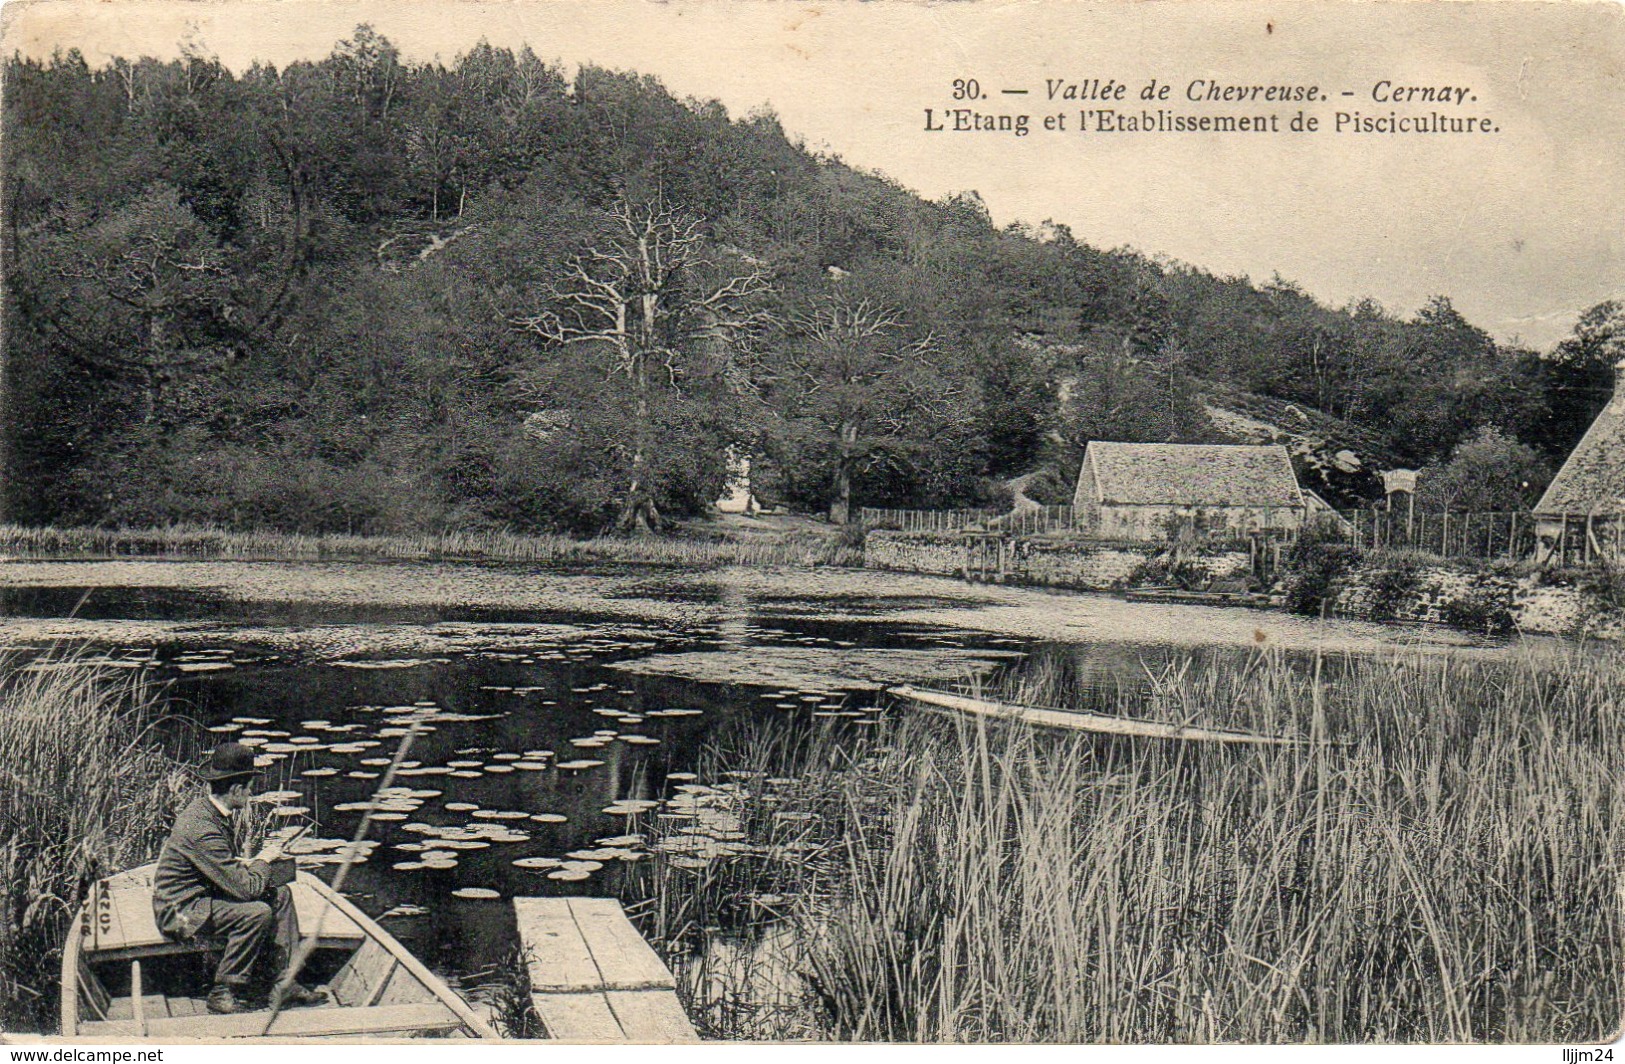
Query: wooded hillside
x=366, y=295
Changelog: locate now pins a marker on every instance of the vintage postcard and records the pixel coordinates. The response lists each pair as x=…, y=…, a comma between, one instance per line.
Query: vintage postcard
x=745, y=520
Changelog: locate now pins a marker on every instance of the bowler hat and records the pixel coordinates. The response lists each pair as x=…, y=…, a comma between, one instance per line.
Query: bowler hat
x=228, y=761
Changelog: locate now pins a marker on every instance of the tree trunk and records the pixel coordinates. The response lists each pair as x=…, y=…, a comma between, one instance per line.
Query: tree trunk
x=840, y=509
x=152, y=380
x=151, y=388
x=640, y=514
x=6, y=423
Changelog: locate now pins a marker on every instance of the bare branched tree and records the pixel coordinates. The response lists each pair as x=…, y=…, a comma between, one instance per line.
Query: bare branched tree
x=646, y=301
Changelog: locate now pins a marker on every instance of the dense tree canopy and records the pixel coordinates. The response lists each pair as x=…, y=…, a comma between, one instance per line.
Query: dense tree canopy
x=362, y=293
x=1487, y=473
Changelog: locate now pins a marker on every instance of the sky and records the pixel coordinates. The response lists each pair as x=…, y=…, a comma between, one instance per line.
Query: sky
x=1523, y=228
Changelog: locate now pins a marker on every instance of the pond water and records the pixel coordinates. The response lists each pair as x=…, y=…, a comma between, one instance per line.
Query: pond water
x=549, y=712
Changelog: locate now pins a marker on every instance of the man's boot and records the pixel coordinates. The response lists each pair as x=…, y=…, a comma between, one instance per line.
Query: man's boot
x=224, y=1000
x=297, y=996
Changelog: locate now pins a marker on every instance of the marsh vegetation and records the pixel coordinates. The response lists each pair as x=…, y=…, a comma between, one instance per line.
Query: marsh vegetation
x=84, y=792
x=698, y=549
x=1450, y=873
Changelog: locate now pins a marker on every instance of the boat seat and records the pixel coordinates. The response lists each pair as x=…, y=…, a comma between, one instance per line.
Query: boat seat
x=122, y=925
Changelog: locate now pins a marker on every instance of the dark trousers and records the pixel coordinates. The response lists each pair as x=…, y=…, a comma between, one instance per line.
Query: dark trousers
x=249, y=927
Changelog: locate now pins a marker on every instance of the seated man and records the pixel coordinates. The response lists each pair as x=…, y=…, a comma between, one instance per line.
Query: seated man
x=202, y=888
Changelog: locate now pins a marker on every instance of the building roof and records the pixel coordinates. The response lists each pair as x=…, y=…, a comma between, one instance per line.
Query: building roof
x=1192, y=474
x=1593, y=478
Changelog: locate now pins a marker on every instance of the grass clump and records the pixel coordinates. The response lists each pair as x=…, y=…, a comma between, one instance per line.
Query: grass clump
x=688, y=548
x=1482, y=609
x=1315, y=575
x=1451, y=873
x=84, y=792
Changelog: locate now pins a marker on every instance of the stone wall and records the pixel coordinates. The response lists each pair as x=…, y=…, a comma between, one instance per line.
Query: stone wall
x=1435, y=593
x=913, y=552
x=1460, y=595
x=1088, y=567
x=1146, y=523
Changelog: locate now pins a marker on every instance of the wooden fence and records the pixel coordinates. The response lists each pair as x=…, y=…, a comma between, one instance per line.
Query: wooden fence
x=1581, y=539
x=1449, y=535
x=1029, y=522
x=925, y=520
x=1556, y=540
x=1035, y=521
x=1572, y=539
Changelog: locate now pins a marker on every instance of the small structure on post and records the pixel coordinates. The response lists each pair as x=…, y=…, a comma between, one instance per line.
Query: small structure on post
x=1148, y=492
x=1578, y=520
x=1397, y=483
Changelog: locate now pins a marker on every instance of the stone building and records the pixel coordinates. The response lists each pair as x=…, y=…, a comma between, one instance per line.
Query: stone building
x=1153, y=491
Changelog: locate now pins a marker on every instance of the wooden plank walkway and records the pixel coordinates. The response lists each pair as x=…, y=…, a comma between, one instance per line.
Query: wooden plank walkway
x=592, y=976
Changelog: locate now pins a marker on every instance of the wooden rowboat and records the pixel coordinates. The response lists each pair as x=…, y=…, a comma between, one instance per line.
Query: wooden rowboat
x=122, y=979
x=1089, y=722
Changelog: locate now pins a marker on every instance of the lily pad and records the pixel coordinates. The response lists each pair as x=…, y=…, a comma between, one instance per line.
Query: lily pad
x=403, y=911
x=538, y=862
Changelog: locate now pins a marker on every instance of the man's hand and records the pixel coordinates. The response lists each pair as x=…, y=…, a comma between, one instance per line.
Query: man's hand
x=271, y=851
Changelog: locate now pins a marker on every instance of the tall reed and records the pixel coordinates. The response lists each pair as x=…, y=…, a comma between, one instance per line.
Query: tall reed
x=1451, y=874
x=723, y=923
x=85, y=791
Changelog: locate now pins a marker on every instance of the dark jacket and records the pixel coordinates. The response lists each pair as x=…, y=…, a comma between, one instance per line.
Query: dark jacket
x=198, y=863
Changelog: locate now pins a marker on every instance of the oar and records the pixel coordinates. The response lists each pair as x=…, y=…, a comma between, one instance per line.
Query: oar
x=307, y=942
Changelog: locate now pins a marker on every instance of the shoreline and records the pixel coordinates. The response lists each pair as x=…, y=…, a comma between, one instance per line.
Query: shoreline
x=686, y=599
x=729, y=539
x=711, y=557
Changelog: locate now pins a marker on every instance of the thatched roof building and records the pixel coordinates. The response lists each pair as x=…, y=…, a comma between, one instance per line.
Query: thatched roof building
x=1593, y=478
x=1581, y=518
